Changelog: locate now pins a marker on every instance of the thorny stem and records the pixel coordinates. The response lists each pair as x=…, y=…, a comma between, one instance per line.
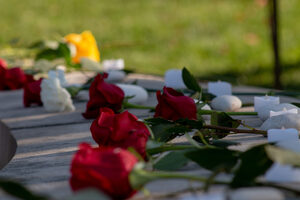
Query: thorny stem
x=209, y=112
x=129, y=105
x=235, y=130
x=245, y=125
x=169, y=148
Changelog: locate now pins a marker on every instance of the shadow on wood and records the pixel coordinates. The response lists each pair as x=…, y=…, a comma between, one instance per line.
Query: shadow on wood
x=8, y=145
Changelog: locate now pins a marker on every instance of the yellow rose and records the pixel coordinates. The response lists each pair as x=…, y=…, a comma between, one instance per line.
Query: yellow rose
x=86, y=46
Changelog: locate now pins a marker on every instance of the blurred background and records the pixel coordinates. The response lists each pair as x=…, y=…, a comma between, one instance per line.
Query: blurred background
x=216, y=39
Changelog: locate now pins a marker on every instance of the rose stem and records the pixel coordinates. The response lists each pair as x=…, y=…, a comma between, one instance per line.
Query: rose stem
x=183, y=176
x=209, y=112
x=130, y=105
x=169, y=148
x=234, y=129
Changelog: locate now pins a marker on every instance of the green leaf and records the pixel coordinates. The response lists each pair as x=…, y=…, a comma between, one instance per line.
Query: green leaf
x=43, y=44
x=162, y=132
x=157, y=121
x=62, y=51
x=17, y=190
x=214, y=158
x=192, y=124
x=167, y=132
x=190, y=82
x=139, y=177
x=153, y=144
x=206, y=97
x=174, y=160
x=223, y=119
x=73, y=90
x=296, y=104
x=223, y=143
x=283, y=156
x=254, y=162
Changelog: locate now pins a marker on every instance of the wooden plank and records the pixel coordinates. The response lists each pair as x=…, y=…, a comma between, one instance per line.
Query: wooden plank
x=35, y=117
x=11, y=100
x=47, y=142
x=44, y=155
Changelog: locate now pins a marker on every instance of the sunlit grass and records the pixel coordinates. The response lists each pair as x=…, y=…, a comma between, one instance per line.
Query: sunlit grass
x=208, y=36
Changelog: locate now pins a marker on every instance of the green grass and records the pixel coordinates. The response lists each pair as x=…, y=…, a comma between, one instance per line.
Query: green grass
x=215, y=39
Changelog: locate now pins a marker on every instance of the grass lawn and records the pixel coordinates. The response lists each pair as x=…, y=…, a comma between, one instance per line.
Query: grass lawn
x=215, y=39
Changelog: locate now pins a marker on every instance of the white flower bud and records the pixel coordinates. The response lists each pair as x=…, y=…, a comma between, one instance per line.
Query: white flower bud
x=54, y=97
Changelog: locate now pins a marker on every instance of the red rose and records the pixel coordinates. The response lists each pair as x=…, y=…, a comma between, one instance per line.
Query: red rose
x=32, y=90
x=173, y=105
x=120, y=130
x=104, y=168
x=103, y=94
x=29, y=78
x=3, y=67
x=15, y=78
x=11, y=79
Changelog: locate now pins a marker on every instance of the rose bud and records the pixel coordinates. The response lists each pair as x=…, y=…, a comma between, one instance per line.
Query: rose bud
x=29, y=78
x=32, y=93
x=173, y=105
x=106, y=169
x=101, y=95
x=120, y=130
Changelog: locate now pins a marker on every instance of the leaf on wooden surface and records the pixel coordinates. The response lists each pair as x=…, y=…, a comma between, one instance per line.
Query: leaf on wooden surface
x=223, y=119
x=254, y=162
x=214, y=158
x=17, y=190
x=190, y=81
x=173, y=160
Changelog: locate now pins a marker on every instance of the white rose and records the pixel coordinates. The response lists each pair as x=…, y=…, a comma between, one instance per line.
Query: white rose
x=54, y=97
x=60, y=74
